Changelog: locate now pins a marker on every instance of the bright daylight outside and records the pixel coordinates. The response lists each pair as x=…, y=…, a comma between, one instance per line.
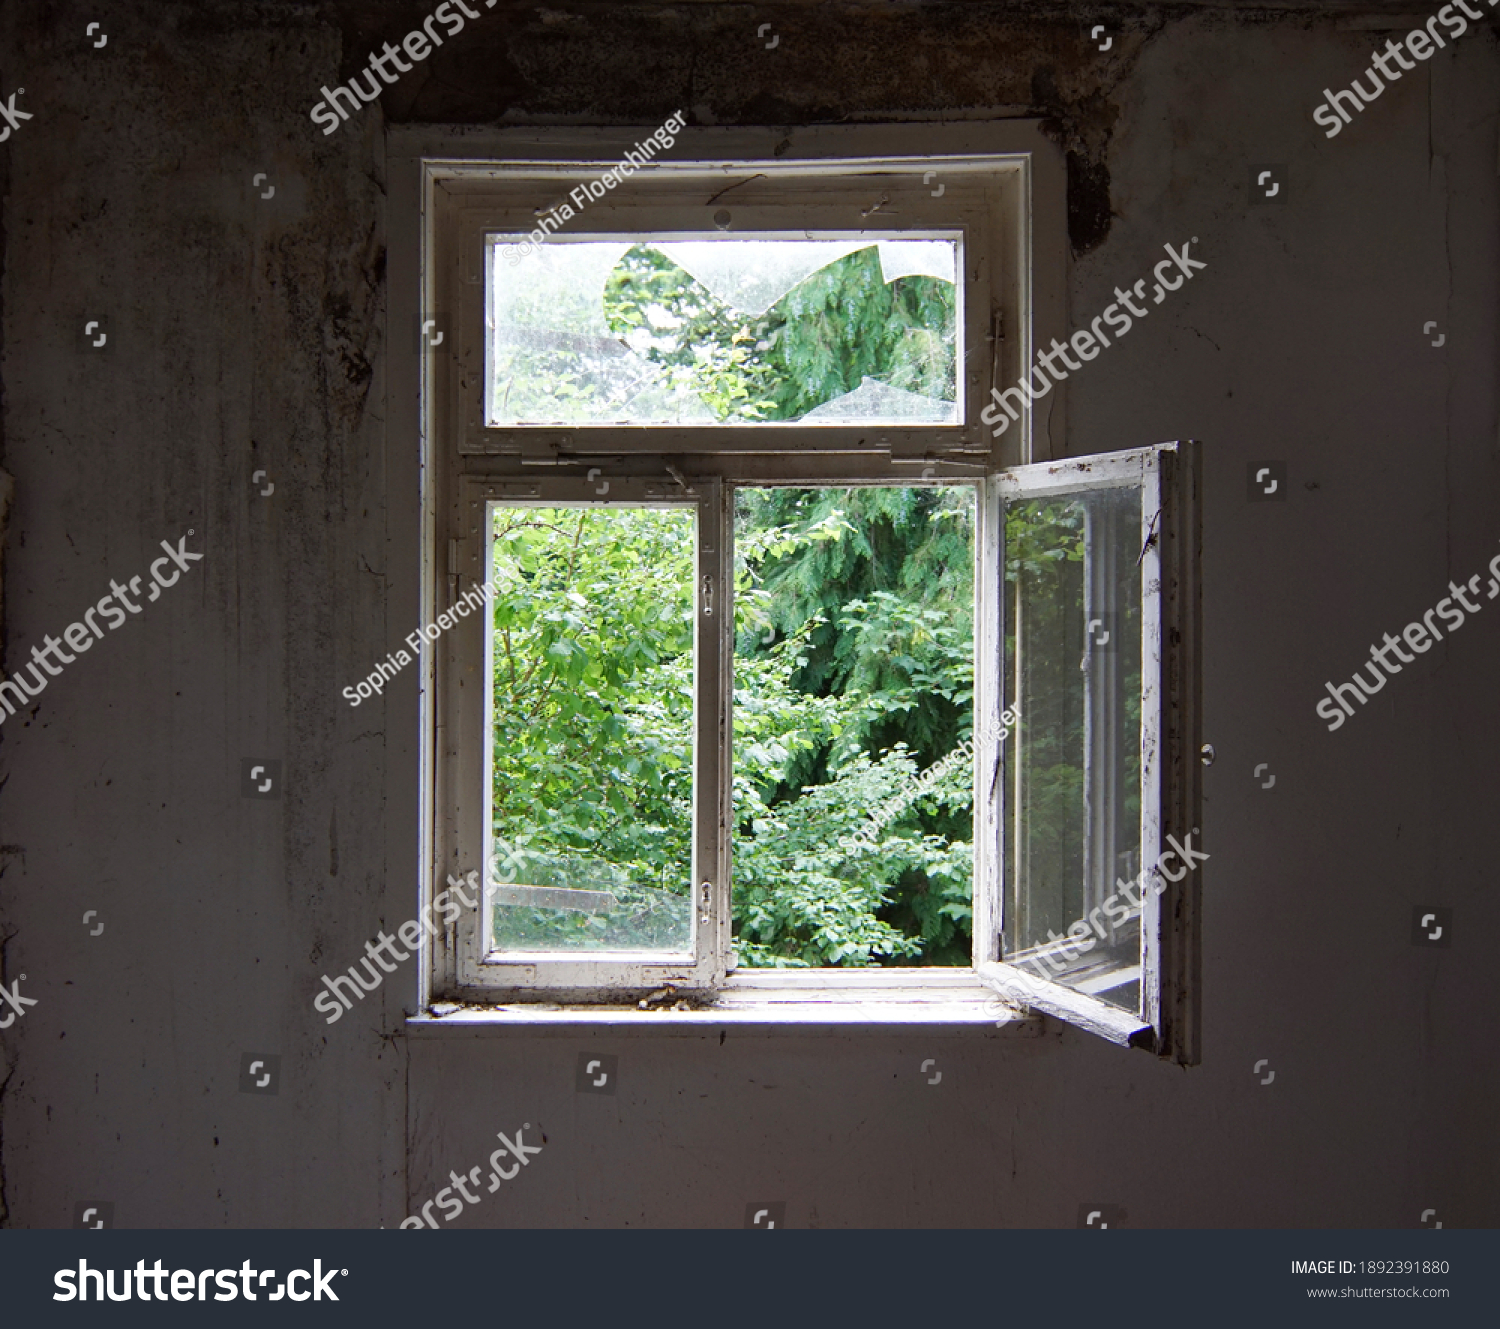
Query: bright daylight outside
x=853, y=672
x=1072, y=770
x=853, y=611
x=721, y=331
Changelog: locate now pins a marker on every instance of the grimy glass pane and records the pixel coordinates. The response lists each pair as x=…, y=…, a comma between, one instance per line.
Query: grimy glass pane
x=591, y=762
x=853, y=723
x=706, y=331
x=1073, y=769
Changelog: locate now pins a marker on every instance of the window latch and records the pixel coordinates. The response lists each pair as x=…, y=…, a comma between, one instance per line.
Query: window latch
x=708, y=595
x=707, y=889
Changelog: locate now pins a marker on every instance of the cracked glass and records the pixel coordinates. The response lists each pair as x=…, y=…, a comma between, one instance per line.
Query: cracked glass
x=718, y=331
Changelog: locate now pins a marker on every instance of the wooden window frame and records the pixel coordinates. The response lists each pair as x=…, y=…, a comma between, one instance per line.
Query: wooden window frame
x=1002, y=186
x=1169, y=477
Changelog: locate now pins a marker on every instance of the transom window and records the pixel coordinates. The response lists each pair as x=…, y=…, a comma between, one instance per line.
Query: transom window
x=713, y=330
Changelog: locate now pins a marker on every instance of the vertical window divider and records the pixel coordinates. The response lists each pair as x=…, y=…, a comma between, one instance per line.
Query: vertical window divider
x=989, y=782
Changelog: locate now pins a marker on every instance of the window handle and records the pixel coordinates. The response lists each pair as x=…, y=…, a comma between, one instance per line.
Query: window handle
x=707, y=889
x=708, y=595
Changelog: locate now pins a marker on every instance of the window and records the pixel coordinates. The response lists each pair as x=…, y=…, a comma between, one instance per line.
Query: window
x=723, y=331
x=727, y=356
x=1096, y=802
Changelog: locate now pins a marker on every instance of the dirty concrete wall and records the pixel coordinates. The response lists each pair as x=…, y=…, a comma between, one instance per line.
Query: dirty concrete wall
x=245, y=334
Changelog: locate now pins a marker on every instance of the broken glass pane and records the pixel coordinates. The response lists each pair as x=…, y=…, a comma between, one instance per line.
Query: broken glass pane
x=872, y=400
x=752, y=275
x=913, y=258
x=720, y=330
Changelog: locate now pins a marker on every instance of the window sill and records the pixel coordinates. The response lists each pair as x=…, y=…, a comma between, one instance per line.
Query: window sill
x=769, y=1000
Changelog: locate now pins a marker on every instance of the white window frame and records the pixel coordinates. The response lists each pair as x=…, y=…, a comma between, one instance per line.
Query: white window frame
x=583, y=976
x=1168, y=477
x=1003, y=186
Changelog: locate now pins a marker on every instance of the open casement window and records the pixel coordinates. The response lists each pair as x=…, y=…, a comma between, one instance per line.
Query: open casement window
x=1088, y=816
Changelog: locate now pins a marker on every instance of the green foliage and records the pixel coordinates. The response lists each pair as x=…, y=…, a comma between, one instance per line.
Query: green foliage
x=874, y=589
x=701, y=343
x=845, y=323
x=593, y=693
x=893, y=597
x=819, y=341
x=592, y=723
x=853, y=665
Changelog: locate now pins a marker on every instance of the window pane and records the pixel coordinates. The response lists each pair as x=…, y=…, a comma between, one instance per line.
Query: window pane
x=721, y=331
x=591, y=763
x=1073, y=770
x=853, y=697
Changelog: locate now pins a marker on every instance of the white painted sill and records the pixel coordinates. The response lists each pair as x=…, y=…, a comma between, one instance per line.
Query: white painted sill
x=771, y=1000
